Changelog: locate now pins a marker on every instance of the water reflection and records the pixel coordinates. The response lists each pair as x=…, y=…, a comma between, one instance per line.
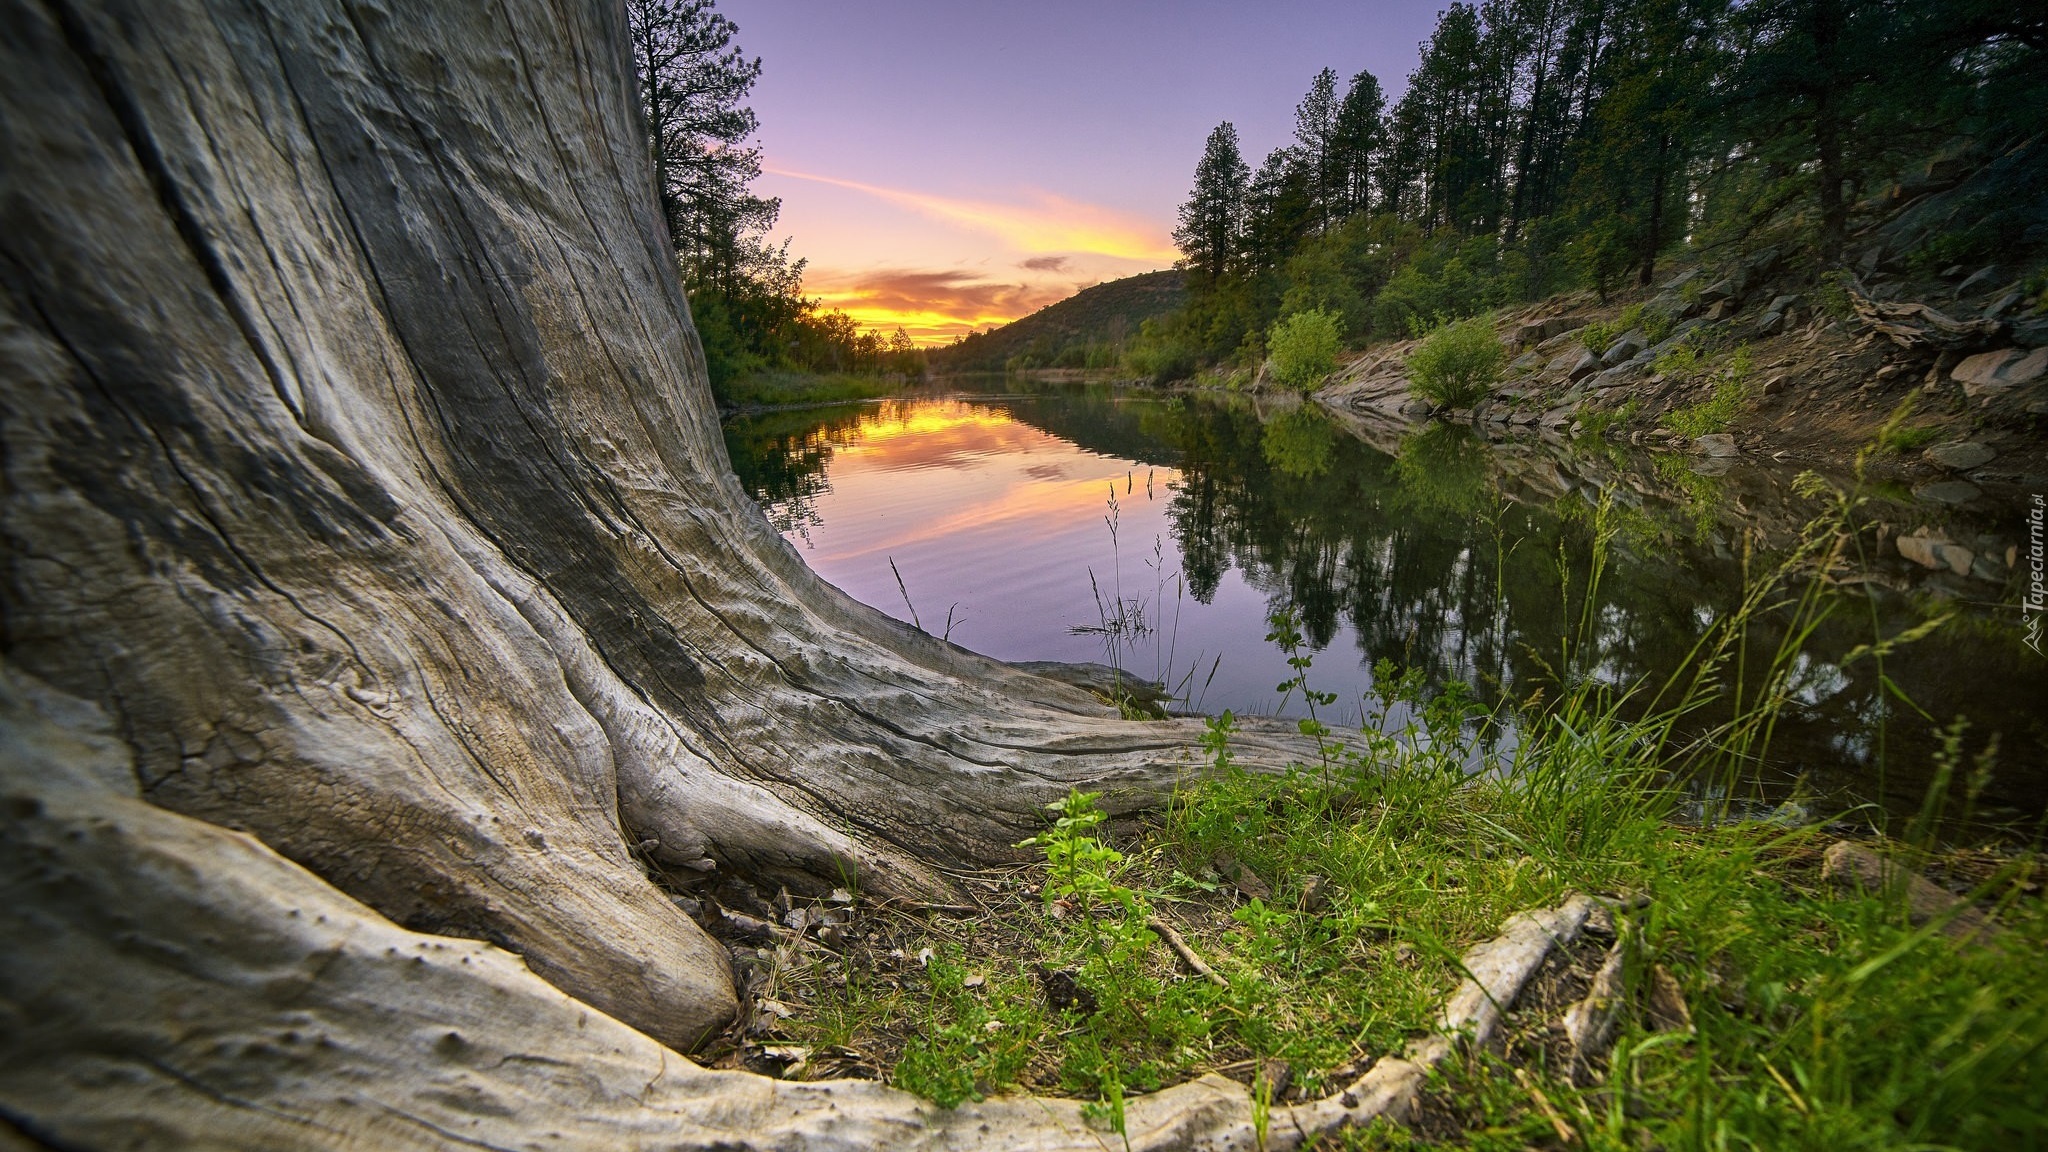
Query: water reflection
x=1433, y=548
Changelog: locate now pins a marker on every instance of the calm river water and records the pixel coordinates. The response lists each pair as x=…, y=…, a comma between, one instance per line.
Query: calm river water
x=1025, y=517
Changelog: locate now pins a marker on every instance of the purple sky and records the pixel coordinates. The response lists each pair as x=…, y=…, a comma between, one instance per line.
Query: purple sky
x=949, y=166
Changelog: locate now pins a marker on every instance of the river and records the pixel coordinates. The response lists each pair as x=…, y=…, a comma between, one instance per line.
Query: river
x=1017, y=519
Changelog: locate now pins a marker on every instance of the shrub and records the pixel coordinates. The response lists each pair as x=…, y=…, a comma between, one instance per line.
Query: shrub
x=1304, y=348
x=1731, y=390
x=1457, y=364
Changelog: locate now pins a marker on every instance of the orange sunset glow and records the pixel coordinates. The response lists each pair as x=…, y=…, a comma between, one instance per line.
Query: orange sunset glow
x=960, y=263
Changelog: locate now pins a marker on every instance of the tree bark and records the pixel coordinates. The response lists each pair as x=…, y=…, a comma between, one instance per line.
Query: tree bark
x=359, y=464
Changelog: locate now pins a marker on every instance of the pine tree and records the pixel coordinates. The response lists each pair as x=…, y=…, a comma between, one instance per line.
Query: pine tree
x=1357, y=141
x=1315, y=138
x=1212, y=220
x=693, y=84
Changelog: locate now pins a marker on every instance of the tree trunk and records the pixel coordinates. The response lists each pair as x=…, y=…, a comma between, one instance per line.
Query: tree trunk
x=360, y=466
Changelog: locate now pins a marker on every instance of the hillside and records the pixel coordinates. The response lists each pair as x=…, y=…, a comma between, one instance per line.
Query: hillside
x=1087, y=329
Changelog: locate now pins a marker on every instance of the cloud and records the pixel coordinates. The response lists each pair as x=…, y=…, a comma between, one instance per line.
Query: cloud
x=932, y=305
x=1053, y=225
x=1046, y=264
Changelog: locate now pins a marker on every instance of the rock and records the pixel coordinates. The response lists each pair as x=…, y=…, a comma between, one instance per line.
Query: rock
x=1957, y=557
x=1993, y=373
x=1417, y=408
x=1997, y=307
x=1575, y=362
x=1718, y=291
x=1558, y=417
x=1682, y=279
x=1962, y=455
x=1947, y=492
x=1919, y=548
x=1525, y=363
x=1625, y=347
x=1718, y=311
x=1785, y=303
x=1536, y=331
x=1717, y=444
x=1987, y=567
x=1770, y=323
x=1982, y=277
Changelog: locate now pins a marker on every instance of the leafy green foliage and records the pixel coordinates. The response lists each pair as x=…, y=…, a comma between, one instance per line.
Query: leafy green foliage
x=1304, y=348
x=1457, y=365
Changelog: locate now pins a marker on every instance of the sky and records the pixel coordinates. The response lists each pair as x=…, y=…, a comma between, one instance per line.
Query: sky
x=948, y=167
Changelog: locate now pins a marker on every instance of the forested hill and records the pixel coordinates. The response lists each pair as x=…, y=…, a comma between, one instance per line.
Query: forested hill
x=1089, y=329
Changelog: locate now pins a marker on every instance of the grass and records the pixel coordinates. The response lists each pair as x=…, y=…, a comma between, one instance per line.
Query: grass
x=776, y=389
x=1717, y=411
x=1336, y=897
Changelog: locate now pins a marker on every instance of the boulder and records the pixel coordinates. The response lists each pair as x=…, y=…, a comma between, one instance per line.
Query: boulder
x=1947, y=492
x=1575, y=362
x=1770, y=323
x=1785, y=303
x=1681, y=280
x=1718, y=311
x=1992, y=373
x=1718, y=291
x=1717, y=444
x=1625, y=347
x=1961, y=456
x=1525, y=363
x=1981, y=278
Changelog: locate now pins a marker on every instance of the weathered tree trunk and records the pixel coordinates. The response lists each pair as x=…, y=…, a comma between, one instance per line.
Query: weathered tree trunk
x=359, y=465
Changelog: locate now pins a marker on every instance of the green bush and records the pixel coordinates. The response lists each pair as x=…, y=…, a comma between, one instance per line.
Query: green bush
x=1457, y=364
x=1304, y=348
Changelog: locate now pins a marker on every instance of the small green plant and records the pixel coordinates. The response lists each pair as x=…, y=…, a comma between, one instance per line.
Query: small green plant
x=1457, y=364
x=1596, y=421
x=1831, y=297
x=1077, y=864
x=1716, y=412
x=1683, y=360
x=1304, y=348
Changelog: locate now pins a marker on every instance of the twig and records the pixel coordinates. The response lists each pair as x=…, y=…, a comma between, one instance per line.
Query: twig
x=915, y=622
x=1187, y=955
x=1564, y=1131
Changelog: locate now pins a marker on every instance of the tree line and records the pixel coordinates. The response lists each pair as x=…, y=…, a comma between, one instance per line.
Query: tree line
x=1546, y=144
x=746, y=292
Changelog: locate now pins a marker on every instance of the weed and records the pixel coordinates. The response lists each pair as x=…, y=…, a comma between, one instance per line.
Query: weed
x=1597, y=421
x=1304, y=348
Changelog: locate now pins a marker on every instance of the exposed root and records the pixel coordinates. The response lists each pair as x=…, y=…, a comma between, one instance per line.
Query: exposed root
x=1187, y=954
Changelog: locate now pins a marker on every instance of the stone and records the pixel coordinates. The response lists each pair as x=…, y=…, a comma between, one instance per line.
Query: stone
x=1785, y=303
x=1681, y=280
x=1955, y=556
x=1575, y=362
x=1992, y=373
x=1718, y=311
x=1558, y=417
x=1416, y=407
x=1919, y=548
x=1770, y=323
x=1718, y=291
x=1998, y=307
x=1962, y=456
x=1717, y=444
x=1625, y=347
x=1947, y=492
x=1982, y=277
x=1526, y=362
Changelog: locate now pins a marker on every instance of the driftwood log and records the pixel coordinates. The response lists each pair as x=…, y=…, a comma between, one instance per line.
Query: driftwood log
x=1915, y=325
x=377, y=606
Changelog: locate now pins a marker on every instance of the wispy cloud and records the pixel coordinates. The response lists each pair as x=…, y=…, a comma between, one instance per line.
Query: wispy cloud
x=1046, y=264
x=1052, y=224
x=932, y=305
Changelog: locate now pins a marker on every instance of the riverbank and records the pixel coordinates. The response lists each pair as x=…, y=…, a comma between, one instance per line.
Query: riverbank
x=760, y=391
x=1691, y=980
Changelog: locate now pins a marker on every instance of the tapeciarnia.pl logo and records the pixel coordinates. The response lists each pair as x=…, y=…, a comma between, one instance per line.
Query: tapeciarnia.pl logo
x=2036, y=599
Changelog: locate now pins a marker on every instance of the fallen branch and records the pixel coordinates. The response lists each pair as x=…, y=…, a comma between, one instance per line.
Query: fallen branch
x=1917, y=325
x=1187, y=955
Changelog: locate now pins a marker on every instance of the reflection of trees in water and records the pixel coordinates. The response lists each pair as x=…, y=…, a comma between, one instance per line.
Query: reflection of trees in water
x=1433, y=568
x=1419, y=553
x=781, y=458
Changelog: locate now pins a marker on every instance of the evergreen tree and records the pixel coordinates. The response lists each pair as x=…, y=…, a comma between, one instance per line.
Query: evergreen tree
x=1212, y=220
x=1356, y=142
x=693, y=87
x=1315, y=140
